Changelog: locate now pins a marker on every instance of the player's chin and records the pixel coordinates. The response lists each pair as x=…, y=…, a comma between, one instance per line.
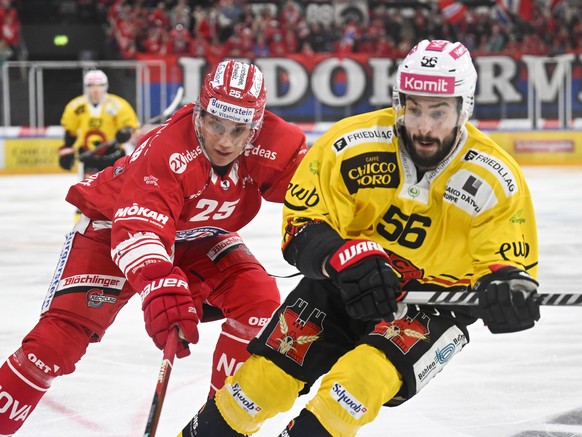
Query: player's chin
x=221, y=160
x=426, y=155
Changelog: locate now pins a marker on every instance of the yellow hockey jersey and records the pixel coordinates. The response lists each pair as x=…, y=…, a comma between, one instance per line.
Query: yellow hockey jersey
x=96, y=124
x=444, y=230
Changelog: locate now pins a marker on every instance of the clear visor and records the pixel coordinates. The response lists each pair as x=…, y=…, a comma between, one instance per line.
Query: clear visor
x=427, y=113
x=212, y=127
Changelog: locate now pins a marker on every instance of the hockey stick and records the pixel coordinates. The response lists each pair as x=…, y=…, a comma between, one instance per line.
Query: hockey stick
x=170, y=109
x=471, y=298
x=162, y=117
x=103, y=145
x=162, y=384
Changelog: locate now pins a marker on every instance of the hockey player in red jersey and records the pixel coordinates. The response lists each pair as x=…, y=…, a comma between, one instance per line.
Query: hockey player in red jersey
x=162, y=223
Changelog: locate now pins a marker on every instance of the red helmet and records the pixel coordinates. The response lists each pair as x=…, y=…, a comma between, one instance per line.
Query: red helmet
x=235, y=91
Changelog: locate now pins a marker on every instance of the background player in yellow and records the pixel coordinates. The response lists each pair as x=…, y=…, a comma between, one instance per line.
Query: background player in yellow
x=97, y=124
x=408, y=198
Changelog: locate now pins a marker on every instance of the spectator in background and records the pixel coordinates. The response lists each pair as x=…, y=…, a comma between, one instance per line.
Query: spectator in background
x=233, y=47
x=229, y=18
x=6, y=53
x=179, y=40
x=156, y=42
x=261, y=46
x=277, y=47
x=205, y=23
x=127, y=47
x=199, y=46
x=10, y=28
x=306, y=49
x=159, y=16
x=181, y=13
x=291, y=41
x=215, y=52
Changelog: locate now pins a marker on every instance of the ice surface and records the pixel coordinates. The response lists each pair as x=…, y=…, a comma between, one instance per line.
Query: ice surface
x=525, y=384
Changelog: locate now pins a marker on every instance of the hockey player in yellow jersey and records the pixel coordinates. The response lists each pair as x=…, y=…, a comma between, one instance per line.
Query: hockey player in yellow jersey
x=408, y=198
x=97, y=124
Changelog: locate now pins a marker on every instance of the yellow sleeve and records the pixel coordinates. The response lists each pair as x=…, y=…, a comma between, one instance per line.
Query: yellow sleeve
x=126, y=115
x=316, y=191
x=70, y=120
x=507, y=233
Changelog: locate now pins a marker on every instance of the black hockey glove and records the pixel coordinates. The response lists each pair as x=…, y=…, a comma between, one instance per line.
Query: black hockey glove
x=99, y=162
x=368, y=285
x=507, y=300
x=66, y=157
x=123, y=135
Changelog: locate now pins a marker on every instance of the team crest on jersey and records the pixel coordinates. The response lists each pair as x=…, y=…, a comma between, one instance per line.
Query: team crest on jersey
x=404, y=333
x=293, y=335
x=405, y=268
x=198, y=233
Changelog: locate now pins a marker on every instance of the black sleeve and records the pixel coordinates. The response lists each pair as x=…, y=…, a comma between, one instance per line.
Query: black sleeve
x=308, y=249
x=69, y=139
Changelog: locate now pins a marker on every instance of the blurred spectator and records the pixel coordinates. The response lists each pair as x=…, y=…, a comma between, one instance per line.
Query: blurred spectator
x=159, y=16
x=9, y=26
x=181, y=13
x=306, y=49
x=205, y=23
x=277, y=46
x=233, y=47
x=261, y=46
x=276, y=28
x=156, y=41
x=199, y=47
x=179, y=40
x=291, y=41
x=290, y=14
x=5, y=53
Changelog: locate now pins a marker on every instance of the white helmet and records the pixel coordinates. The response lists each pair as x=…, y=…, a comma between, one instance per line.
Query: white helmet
x=436, y=68
x=95, y=77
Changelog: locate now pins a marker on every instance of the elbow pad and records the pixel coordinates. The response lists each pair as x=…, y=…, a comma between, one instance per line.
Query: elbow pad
x=69, y=139
x=123, y=135
x=308, y=249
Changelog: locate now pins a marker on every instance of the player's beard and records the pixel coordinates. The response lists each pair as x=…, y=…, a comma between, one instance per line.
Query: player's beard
x=444, y=147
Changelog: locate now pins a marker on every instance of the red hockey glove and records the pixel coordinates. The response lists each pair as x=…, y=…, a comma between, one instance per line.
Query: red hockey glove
x=369, y=286
x=166, y=302
x=66, y=157
x=507, y=299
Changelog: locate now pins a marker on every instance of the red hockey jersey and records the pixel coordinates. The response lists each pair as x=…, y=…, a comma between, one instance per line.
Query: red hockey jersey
x=167, y=189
